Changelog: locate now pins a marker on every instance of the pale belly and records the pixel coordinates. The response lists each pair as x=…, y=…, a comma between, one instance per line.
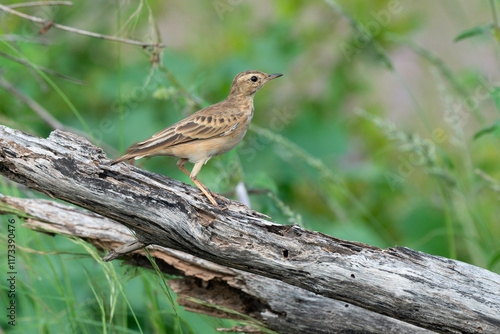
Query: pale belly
x=203, y=150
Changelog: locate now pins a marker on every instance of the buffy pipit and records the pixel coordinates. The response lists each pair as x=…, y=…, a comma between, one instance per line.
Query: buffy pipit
x=207, y=133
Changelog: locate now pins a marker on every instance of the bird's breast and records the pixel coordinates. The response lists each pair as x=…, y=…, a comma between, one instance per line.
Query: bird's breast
x=202, y=150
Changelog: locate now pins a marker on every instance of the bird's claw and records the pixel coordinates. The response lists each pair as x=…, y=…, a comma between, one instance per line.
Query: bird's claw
x=222, y=198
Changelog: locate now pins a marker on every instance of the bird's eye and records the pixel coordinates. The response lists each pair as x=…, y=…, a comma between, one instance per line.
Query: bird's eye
x=254, y=78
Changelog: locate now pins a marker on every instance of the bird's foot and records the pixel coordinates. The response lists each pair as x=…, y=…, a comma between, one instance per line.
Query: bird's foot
x=219, y=196
x=216, y=195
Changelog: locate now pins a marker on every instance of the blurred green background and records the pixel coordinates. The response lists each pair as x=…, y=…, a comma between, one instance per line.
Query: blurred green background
x=384, y=129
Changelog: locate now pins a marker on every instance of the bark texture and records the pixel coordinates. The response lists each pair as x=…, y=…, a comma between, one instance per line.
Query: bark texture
x=398, y=284
x=277, y=305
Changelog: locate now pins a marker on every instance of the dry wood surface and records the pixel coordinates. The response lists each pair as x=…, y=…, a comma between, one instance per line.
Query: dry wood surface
x=305, y=270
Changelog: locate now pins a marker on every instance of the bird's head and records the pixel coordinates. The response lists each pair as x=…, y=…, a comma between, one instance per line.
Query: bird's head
x=247, y=83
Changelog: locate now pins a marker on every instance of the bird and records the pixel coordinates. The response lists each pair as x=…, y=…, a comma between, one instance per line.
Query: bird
x=207, y=133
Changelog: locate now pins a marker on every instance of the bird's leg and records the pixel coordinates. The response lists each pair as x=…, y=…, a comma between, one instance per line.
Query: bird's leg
x=181, y=163
x=219, y=196
x=192, y=176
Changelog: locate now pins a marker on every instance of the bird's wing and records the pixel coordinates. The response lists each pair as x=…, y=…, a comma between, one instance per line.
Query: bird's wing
x=214, y=121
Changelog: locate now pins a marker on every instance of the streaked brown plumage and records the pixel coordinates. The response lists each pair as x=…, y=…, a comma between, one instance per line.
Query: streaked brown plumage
x=207, y=133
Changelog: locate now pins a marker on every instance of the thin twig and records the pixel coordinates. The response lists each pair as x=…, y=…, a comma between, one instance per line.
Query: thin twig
x=41, y=68
x=32, y=104
x=41, y=3
x=79, y=31
x=173, y=80
x=45, y=115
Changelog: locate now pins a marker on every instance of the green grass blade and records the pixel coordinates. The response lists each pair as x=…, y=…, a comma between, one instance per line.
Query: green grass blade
x=476, y=31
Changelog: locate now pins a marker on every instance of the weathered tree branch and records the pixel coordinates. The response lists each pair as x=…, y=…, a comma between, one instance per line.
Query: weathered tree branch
x=431, y=292
x=282, y=307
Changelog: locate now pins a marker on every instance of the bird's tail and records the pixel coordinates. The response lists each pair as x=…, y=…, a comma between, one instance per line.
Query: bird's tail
x=129, y=155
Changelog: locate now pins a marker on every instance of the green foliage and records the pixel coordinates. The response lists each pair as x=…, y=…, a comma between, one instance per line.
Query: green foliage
x=417, y=167
x=495, y=128
x=476, y=31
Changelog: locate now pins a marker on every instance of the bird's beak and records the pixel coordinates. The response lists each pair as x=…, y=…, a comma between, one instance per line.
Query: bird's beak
x=273, y=76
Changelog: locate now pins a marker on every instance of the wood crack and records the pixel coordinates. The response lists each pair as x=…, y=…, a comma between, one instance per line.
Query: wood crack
x=384, y=286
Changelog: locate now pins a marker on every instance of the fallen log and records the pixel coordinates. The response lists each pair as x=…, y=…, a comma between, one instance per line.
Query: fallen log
x=274, y=304
x=430, y=292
